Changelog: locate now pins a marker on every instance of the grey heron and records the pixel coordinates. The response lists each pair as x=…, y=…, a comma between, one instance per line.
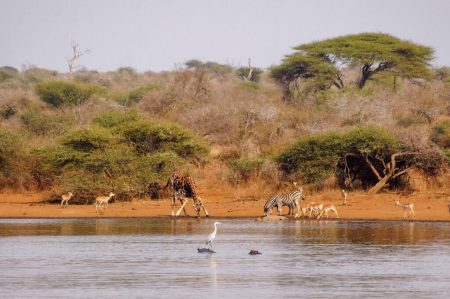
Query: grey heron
x=212, y=236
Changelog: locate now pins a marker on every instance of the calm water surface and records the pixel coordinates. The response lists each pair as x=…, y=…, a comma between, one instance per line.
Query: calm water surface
x=112, y=258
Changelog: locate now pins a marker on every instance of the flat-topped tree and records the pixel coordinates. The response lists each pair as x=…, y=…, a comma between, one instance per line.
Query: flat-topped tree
x=374, y=53
x=318, y=71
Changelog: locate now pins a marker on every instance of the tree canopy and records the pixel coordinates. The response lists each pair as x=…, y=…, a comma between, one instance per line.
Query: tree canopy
x=371, y=52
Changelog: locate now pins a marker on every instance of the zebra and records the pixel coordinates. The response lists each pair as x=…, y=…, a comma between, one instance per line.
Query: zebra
x=290, y=199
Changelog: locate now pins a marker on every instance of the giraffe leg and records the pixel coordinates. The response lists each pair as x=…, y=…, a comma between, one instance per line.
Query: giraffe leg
x=182, y=207
x=173, y=203
x=202, y=206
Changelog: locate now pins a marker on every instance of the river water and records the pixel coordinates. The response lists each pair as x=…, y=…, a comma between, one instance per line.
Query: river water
x=158, y=258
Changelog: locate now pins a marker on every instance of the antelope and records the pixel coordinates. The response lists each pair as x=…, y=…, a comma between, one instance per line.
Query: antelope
x=65, y=199
x=312, y=208
x=327, y=209
x=344, y=197
x=406, y=206
x=101, y=202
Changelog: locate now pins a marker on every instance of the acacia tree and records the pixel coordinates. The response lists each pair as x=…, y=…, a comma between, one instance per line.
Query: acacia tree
x=369, y=157
x=374, y=53
x=319, y=72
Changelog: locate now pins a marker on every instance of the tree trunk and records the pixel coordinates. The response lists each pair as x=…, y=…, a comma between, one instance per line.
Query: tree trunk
x=390, y=171
x=365, y=75
x=380, y=185
x=362, y=81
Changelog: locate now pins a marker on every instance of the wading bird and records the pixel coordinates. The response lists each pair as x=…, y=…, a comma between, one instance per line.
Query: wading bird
x=212, y=236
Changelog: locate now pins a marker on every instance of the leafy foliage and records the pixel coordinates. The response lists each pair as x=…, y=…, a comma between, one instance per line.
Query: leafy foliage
x=318, y=63
x=8, y=72
x=136, y=95
x=313, y=158
x=123, y=154
x=316, y=157
x=40, y=123
x=441, y=134
x=243, y=168
x=64, y=93
x=114, y=118
x=12, y=166
x=318, y=72
x=147, y=137
x=374, y=53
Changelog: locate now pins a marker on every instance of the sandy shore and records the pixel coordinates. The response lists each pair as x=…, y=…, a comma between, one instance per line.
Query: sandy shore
x=432, y=206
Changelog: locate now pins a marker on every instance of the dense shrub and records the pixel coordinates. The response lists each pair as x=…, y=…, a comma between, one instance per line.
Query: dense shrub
x=316, y=157
x=63, y=93
x=313, y=158
x=8, y=72
x=147, y=137
x=13, y=164
x=441, y=134
x=114, y=118
x=243, y=168
x=41, y=123
x=86, y=140
x=359, y=157
x=121, y=155
x=136, y=95
x=10, y=147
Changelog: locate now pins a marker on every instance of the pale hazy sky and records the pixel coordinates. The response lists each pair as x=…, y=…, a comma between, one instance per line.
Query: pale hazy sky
x=158, y=35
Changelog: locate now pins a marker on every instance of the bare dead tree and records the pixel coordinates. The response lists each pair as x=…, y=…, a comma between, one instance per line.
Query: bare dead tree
x=250, y=71
x=77, y=53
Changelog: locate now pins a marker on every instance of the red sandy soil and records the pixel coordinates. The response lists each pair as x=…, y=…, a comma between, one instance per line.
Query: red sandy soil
x=429, y=205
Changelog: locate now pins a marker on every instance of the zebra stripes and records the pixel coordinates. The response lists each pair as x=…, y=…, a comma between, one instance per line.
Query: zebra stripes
x=290, y=199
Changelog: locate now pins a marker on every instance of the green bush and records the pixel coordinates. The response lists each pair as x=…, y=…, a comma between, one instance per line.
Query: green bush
x=243, y=168
x=313, y=158
x=148, y=137
x=10, y=148
x=86, y=140
x=136, y=95
x=120, y=155
x=13, y=160
x=440, y=134
x=114, y=118
x=8, y=72
x=40, y=123
x=63, y=93
x=316, y=157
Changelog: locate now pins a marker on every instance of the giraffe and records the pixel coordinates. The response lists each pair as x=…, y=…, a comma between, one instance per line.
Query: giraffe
x=183, y=187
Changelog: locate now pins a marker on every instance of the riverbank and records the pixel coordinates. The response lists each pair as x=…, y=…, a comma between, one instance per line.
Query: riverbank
x=431, y=206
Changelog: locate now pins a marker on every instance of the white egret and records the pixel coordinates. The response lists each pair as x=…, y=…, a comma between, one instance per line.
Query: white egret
x=212, y=236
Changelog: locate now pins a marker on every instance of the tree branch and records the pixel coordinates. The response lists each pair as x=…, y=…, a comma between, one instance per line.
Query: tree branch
x=374, y=171
x=400, y=173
